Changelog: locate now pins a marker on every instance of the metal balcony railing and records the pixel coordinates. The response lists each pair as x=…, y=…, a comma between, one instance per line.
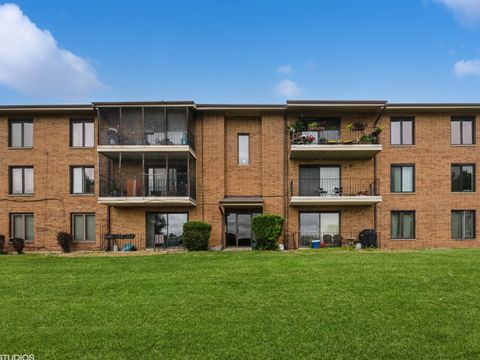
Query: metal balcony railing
x=369, y=135
x=112, y=136
x=146, y=185
x=335, y=187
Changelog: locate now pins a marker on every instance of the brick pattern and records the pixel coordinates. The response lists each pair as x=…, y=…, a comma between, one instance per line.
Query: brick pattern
x=52, y=204
x=268, y=175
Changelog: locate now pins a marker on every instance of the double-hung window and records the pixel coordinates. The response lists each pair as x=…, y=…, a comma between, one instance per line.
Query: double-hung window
x=463, y=130
x=21, y=180
x=403, y=225
x=83, y=227
x=402, y=130
x=82, y=132
x=463, y=177
x=21, y=226
x=402, y=178
x=82, y=180
x=20, y=133
x=463, y=224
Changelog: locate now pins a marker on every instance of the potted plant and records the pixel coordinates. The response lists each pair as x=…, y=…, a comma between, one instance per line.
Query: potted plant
x=309, y=139
x=18, y=245
x=313, y=126
x=366, y=139
x=2, y=243
x=359, y=126
x=65, y=240
x=348, y=142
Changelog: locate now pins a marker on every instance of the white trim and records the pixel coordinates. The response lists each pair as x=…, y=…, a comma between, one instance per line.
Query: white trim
x=146, y=201
x=146, y=148
x=334, y=200
x=335, y=150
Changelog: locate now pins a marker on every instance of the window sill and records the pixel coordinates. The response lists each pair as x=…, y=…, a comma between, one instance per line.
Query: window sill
x=20, y=147
x=402, y=145
x=402, y=239
x=84, y=242
x=464, y=239
x=82, y=147
x=82, y=194
x=463, y=145
x=21, y=195
x=463, y=192
x=403, y=193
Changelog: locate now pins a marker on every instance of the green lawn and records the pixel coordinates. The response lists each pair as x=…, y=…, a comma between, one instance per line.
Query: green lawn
x=243, y=305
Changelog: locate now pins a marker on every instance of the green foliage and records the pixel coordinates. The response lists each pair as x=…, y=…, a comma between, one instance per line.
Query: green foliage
x=2, y=243
x=65, y=240
x=195, y=235
x=267, y=229
x=18, y=245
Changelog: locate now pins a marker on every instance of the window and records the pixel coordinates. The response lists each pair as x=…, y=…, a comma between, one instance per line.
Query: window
x=243, y=149
x=463, y=224
x=402, y=131
x=82, y=132
x=83, y=227
x=165, y=229
x=402, y=178
x=20, y=133
x=463, y=177
x=21, y=180
x=82, y=180
x=21, y=226
x=318, y=226
x=403, y=225
x=463, y=130
x=319, y=180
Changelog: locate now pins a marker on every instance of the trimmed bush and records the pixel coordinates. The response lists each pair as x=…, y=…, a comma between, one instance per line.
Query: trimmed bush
x=195, y=235
x=18, y=245
x=65, y=240
x=267, y=229
x=2, y=244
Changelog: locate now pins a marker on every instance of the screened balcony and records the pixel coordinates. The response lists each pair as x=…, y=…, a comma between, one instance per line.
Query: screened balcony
x=146, y=178
x=145, y=126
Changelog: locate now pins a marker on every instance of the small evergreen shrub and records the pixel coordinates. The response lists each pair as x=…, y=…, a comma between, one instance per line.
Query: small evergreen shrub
x=195, y=235
x=2, y=244
x=18, y=245
x=267, y=229
x=65, y=240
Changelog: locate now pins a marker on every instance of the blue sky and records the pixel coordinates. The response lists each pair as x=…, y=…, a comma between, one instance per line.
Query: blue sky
x=240, y=51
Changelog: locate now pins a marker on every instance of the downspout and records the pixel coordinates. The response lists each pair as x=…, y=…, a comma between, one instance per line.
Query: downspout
x=285, y=179
x=375, y=173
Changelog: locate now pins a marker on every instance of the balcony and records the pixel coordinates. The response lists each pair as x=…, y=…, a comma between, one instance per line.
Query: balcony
x=334, y=143
x=147, y=179
x=335, y=192
x=146, y=129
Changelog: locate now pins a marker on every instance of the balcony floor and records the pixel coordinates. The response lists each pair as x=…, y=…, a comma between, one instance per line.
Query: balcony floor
x=360, y=200
x=147, y=201
x=337, y=151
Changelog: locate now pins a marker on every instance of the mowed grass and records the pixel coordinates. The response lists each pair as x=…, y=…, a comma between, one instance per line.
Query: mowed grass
x=243, y=305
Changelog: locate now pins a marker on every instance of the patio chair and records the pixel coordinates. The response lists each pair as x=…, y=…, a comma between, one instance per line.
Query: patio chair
x=337, y=240
x=159, y=241
x=327, y=239
x=321, y=191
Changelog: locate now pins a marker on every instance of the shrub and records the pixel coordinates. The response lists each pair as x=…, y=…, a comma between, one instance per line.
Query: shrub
x=267, y=229
x=2, y=243
x=65, y=240
x=18, y=245
x=195, y=235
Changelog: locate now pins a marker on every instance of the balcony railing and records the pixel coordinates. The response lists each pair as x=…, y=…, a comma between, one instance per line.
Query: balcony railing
x=335, y=187
x=112, y=136
x=335, y=239
x=369, y=135
x=147, y=185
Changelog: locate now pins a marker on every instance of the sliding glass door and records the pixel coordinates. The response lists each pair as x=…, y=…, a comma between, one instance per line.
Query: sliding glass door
x=318, y=226
x=319, y=180
x=165, y=229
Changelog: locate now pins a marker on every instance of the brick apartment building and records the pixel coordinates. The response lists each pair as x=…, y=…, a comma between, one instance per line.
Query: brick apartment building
x=325, y=166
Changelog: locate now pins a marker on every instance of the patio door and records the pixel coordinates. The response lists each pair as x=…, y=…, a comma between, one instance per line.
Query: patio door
x=165, y=229
x=319, y=180
x=238, y=230
x=317, y=226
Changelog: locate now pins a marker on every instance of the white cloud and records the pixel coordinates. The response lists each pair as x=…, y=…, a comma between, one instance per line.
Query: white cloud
x=287, y=89
x=467, y=67
x=285, y=69
x=32, y=63
x=467, y=12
